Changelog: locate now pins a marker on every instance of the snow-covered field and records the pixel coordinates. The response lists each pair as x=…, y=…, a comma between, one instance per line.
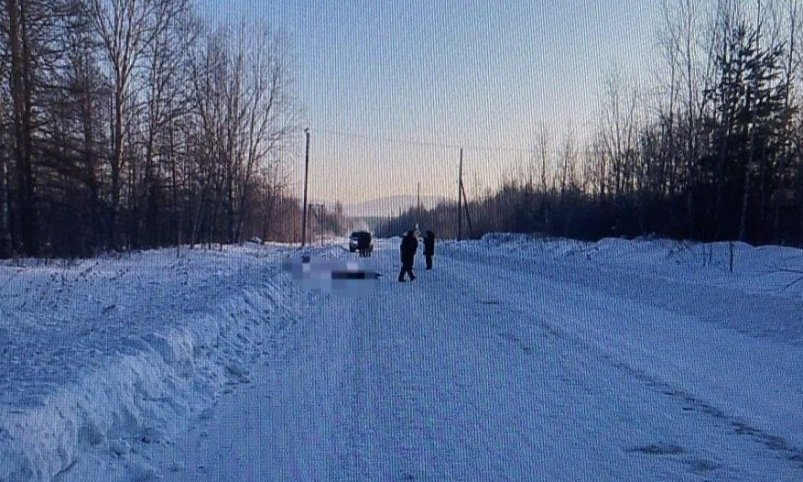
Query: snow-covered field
x=517, y=358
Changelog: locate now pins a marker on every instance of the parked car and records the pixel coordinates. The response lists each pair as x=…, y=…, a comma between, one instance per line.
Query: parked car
x=361, y=241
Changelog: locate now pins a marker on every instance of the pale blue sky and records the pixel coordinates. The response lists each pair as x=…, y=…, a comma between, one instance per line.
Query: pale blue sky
x=444, y=73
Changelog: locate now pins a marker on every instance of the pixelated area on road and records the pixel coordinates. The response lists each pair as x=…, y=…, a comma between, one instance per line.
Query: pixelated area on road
x=332, y=276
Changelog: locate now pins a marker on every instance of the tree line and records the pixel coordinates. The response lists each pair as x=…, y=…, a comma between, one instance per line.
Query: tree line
x=129, y=124
x=712, y=149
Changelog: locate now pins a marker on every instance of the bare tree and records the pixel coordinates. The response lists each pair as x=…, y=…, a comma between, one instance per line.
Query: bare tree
x=119, y=114
x=245, y=112
x=125, y=28
x=542, y=154
x=689, y=41
x=568, y=162
x=21, y=86
x=164, y=98
x=619, y=131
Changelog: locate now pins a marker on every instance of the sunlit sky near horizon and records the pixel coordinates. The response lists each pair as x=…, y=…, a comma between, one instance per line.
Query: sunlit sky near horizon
x=391, y=89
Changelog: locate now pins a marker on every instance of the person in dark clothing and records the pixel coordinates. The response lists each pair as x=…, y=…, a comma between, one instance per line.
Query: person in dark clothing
x=364, y=245
x=409, y=246
x=429, y=247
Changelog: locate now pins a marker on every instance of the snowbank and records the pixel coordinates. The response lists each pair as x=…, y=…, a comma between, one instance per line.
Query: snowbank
x=107, y=354
x=764, y=269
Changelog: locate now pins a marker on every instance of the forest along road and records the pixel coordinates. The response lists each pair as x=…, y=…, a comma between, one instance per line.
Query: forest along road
x=482, y=370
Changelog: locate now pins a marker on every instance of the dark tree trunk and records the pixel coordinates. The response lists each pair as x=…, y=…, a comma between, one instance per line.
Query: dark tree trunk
x=21, y=92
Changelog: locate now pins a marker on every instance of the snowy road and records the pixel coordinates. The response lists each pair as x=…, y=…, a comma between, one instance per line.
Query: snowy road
x=490, y=369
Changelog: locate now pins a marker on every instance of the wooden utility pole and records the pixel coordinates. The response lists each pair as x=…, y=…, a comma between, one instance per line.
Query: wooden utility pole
x=460, y=197
x=418, y=202
x=306, y=176
x=321, y=212
x=465, y=205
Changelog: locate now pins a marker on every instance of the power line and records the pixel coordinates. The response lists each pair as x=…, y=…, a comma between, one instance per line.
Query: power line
x=420, y=142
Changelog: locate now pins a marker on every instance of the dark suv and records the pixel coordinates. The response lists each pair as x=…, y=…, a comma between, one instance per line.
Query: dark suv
x=361, y=241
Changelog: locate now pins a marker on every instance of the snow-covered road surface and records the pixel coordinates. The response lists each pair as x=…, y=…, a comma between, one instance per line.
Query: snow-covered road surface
x=515, y=359
x=495, y=367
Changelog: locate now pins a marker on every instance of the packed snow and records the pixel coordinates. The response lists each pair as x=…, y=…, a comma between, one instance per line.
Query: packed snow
x=112, y=352
x=518, y=357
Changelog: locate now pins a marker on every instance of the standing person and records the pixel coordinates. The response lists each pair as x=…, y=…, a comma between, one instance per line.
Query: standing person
x=429, y=247
x=409, y=246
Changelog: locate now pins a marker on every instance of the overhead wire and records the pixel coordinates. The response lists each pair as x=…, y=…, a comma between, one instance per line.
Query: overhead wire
x=444, y=145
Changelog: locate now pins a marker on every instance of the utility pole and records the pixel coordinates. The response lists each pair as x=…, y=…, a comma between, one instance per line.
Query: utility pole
x=306, y=176
x=418, y=202
x=460, y=197
x=319, y=216
x=465, y=205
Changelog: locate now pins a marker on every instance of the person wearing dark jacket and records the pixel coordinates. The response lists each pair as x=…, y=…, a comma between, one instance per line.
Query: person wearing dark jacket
x=429, y=247
x=409, y=246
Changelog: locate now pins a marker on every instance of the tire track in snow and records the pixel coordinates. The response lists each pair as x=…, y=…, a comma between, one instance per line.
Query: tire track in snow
x=425, y=422
x=354, y=458
x=478, y=373
x=776, y=445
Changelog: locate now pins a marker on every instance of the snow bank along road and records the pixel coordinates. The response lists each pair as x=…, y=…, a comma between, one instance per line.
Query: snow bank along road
x=100, y=357
x=515, y=359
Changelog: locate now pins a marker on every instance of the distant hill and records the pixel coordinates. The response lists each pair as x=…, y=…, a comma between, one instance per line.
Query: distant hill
x=388, y=206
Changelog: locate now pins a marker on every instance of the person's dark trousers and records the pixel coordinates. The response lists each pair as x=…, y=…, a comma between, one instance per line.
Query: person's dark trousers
x=408, y=270
x=429, y=261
